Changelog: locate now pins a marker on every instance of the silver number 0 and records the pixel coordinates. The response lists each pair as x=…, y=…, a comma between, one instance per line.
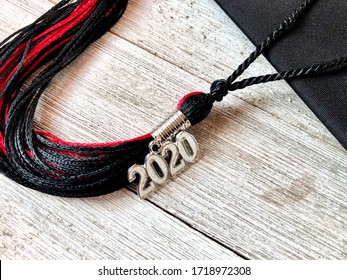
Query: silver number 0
x=157, y=168
x=187, y=146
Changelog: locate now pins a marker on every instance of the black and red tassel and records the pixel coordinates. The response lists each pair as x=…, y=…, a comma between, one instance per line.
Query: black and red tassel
x=38, y=159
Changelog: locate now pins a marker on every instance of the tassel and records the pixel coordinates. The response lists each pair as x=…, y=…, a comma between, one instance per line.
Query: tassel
x=37, y=159
x=40, y=160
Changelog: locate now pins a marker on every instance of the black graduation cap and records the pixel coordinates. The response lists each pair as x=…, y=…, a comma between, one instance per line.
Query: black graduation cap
x=320, y=36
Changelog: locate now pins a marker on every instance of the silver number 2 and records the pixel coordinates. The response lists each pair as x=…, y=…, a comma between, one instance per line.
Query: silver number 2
x=176, y=163
x=145, y=186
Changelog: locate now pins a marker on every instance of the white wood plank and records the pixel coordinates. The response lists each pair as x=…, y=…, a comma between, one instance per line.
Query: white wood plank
x=271, y=180
x=272, y=165
x=117, y=226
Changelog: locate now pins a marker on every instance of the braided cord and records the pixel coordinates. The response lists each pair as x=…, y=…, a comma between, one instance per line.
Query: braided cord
x=220, y=88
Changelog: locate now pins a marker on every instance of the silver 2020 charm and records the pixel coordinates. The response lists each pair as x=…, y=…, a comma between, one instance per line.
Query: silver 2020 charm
x=171, y=151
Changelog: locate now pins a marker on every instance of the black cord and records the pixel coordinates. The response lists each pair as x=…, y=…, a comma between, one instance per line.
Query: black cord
x=220, y=88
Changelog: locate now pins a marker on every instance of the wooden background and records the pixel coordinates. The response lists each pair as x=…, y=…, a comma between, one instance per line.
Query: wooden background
x=271, y=181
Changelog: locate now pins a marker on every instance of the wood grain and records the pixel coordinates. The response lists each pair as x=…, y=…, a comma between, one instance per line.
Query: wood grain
x=117, y=226
x=271, y=181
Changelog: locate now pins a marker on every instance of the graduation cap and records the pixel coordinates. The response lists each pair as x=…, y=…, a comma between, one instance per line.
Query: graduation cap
x=320, y=36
